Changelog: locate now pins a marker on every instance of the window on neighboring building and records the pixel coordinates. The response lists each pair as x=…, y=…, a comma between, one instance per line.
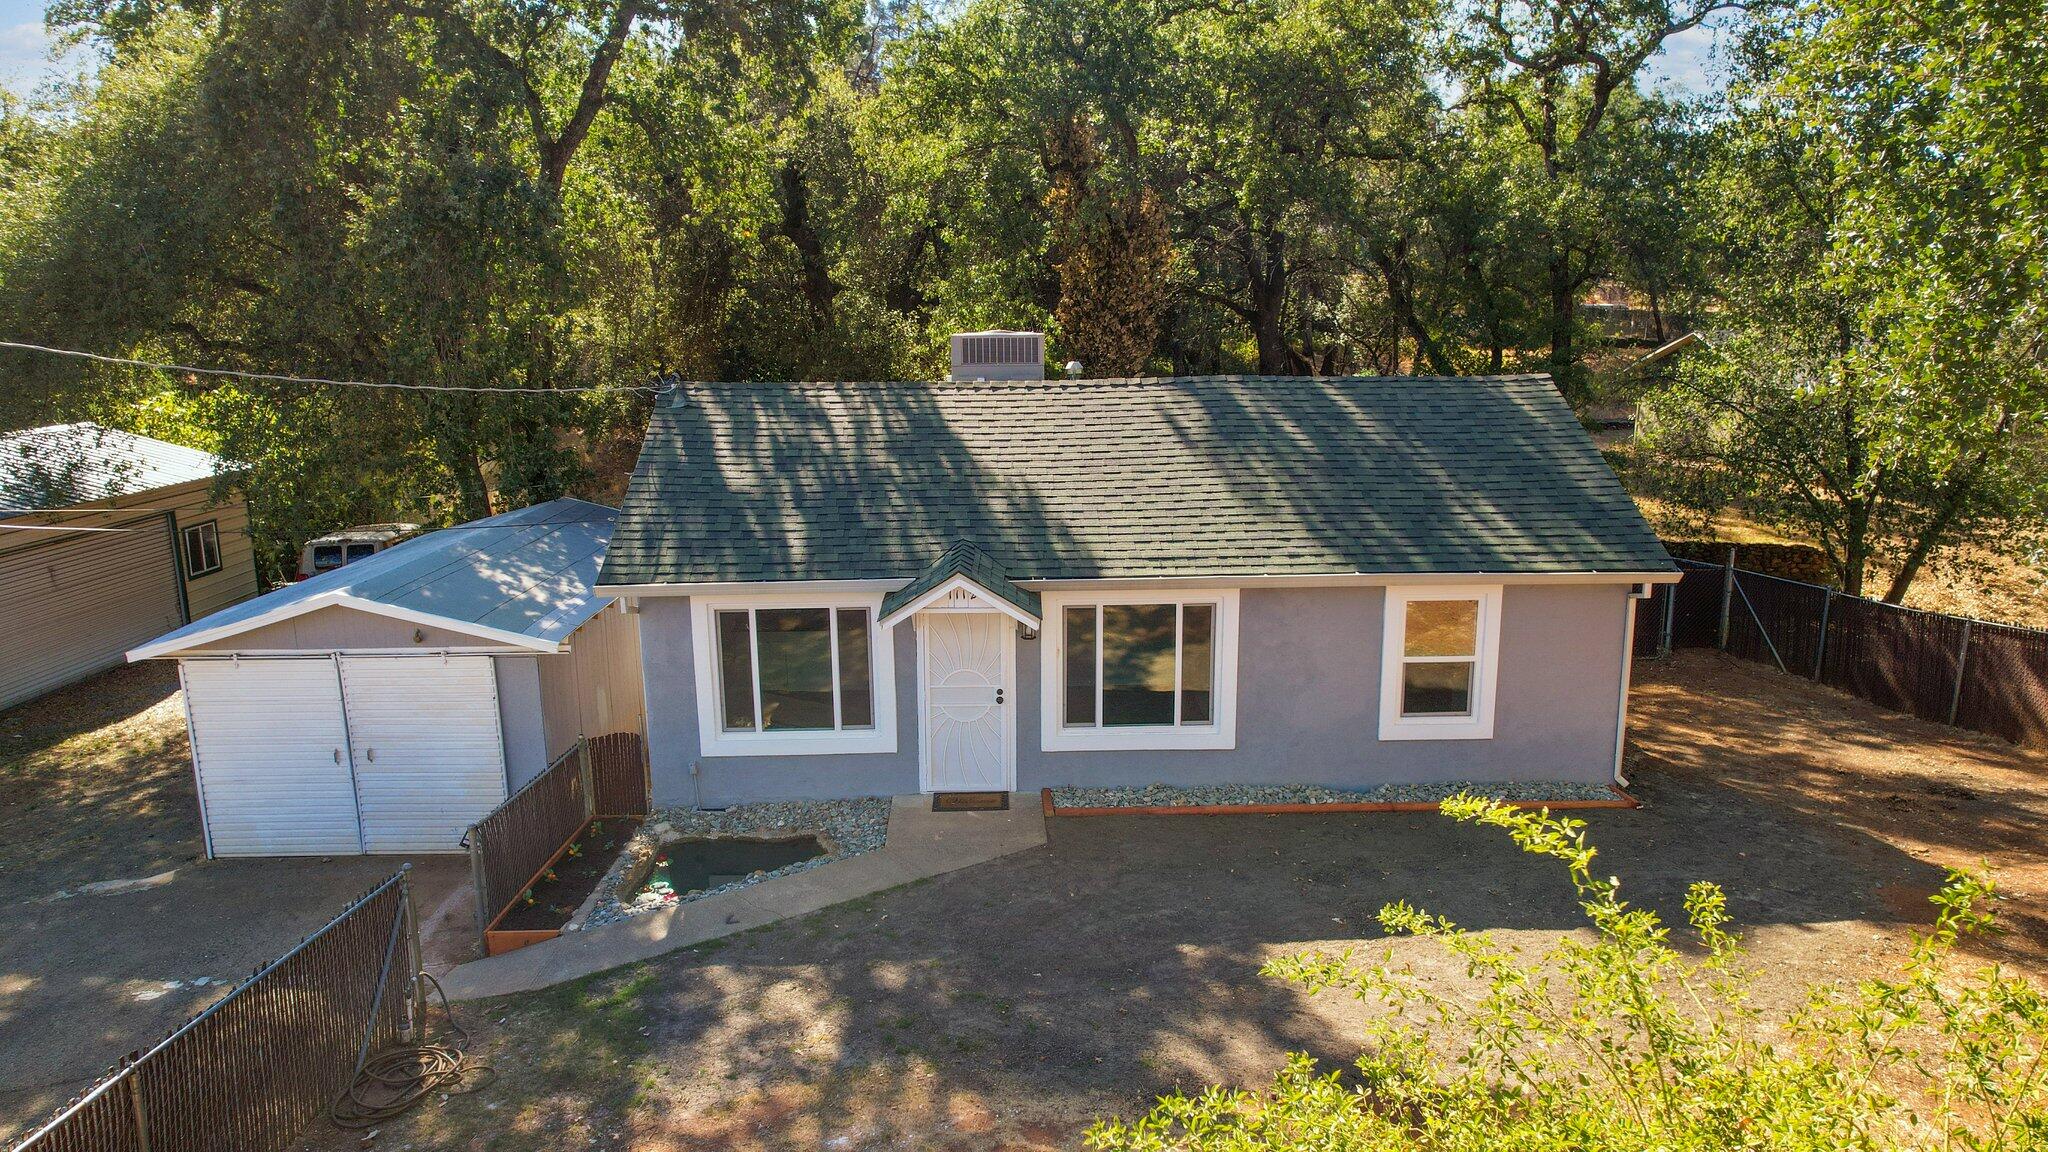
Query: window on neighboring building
x=1134, y=672
x=202, y=549
x=795, y=669
x=1442, y=646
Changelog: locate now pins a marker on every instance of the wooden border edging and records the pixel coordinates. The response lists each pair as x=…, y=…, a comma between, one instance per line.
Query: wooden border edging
x=500, y=940
x=1621, y=800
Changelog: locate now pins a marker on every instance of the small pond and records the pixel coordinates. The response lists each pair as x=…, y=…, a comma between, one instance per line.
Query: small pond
x=696, y=865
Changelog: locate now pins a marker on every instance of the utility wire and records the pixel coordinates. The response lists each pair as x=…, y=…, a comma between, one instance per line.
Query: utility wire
x=285, y=378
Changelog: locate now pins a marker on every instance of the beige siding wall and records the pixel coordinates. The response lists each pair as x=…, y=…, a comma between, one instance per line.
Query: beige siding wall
x=342, y=629
x=235, y=580
x=594, y=688
x=73, y=603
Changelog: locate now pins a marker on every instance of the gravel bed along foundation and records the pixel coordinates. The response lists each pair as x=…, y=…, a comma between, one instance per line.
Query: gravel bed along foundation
x=845, y=827
x=1231, y=795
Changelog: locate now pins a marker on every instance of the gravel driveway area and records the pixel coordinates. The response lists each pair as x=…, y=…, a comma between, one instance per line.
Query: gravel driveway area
x=96, y=786
x=1006, y=1005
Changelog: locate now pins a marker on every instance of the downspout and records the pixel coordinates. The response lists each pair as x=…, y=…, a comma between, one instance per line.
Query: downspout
x=1636, y=593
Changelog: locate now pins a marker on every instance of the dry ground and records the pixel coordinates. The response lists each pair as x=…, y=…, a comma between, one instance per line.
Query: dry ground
x=1006, y=1005
x=96, y=785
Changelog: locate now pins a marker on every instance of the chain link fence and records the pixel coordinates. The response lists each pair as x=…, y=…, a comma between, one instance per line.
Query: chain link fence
x=1990, y=678
x=255, y=1070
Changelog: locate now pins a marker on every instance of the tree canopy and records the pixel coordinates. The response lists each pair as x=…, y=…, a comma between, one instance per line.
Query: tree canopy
x=535, y=206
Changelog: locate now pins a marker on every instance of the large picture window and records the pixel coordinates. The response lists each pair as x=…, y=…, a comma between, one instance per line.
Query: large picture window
x=795, y=669
x=1441, y=649
x=791, y=676
x=1139, y=665
x=1130, y=672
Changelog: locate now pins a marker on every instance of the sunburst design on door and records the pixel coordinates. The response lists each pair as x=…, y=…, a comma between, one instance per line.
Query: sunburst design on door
x=964, y=660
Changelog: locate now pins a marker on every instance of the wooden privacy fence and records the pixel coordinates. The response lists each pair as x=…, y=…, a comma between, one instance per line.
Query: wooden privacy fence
x=602, y=776
x=1990, y=678
x=253, y=1071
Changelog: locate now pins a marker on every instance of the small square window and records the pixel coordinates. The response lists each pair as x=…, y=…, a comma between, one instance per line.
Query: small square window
x=202, y=549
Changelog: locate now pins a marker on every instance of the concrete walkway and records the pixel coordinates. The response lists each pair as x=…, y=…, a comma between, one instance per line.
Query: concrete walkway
x=921, y=844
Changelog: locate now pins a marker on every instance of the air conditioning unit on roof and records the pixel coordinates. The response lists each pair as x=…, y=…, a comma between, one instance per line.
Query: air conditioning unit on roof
x=999, y=356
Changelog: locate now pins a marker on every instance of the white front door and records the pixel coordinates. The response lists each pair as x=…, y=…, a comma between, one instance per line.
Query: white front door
x=429, y=759
x=967, y=701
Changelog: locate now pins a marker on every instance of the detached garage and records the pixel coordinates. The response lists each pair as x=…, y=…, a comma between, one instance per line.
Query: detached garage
x=386, y=705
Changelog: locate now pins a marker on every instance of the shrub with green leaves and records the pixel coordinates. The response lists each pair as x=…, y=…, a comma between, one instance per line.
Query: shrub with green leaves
x=1620, y=1040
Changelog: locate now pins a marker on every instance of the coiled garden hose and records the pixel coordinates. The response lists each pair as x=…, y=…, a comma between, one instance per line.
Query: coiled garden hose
x=391, y=1082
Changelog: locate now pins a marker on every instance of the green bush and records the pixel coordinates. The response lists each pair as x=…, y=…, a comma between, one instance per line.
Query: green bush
x=1621, y=1041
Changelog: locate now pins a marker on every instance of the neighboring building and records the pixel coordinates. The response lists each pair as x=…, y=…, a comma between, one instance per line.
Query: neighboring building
x=386, y=705
x=868, y=589
x=326, y=553
x=107, y=539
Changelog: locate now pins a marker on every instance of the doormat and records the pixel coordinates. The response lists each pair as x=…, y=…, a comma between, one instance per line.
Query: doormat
x=970, y=801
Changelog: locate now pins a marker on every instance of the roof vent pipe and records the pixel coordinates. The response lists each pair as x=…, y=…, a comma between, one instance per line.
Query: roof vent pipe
x=1074, y=369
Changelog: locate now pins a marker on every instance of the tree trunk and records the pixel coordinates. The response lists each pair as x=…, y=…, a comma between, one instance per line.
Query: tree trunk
x=1396, y=270
x=794, y=195
x=1855, y=548
x=1269, y=303
x=1955, y=494
x=1563, y=311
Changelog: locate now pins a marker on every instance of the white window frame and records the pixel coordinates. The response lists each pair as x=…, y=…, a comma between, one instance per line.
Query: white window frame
x=1219, y=733
x=714, y=740
x=1476, y=725
x=202, y=532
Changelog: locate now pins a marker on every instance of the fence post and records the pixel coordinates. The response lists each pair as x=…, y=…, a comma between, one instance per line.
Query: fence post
x=1727, y=595
x=1670, y=613
x=646, y=776
x=589, y=792
x=476, y=879
x=416, y=1009
x=1820, y=650
x=135, y=1098
x=1955, y=699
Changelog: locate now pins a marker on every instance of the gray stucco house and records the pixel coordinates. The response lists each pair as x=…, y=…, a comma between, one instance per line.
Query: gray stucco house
x=862, y=589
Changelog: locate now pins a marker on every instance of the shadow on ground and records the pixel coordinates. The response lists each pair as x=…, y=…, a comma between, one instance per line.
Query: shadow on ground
x=1009, y=1004
x=96, y=784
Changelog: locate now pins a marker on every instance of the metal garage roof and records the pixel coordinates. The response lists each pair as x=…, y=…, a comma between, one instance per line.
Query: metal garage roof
x=63, y=464
x=523, y=578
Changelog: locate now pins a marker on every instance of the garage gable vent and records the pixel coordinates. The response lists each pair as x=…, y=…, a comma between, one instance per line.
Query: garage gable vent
x=999, y=356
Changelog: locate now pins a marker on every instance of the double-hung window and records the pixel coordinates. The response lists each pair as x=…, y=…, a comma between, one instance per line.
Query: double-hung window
x=790, y=676
x=1437, y=669
x=1126, y=671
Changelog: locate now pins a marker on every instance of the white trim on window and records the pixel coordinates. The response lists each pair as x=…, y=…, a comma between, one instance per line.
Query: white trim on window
x=1477, y=723
x=1220, y=732
x=714, y=740
x=202, y=549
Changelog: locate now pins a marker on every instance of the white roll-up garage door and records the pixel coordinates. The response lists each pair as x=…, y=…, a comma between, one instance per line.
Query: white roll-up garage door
x=428, y=754
x=271, y=751
x=70, y=605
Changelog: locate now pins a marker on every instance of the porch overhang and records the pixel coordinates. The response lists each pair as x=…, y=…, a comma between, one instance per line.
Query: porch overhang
x=963, y=571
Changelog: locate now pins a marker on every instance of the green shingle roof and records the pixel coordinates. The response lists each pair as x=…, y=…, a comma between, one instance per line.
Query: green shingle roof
x=964, y=559
x=1067, y=479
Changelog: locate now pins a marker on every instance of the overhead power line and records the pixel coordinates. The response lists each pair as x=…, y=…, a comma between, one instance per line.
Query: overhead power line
x=287, y=378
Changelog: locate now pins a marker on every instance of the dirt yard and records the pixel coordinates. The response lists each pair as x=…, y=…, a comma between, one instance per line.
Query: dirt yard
x=1007, y=1005
x=96, y=786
